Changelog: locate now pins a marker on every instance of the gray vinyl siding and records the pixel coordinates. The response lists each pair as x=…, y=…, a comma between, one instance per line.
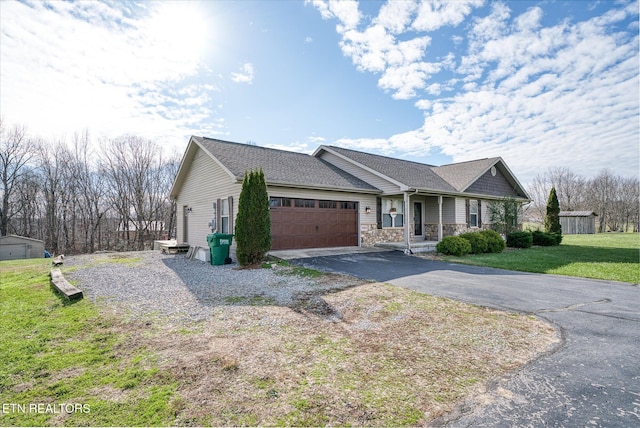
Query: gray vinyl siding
x=460, y=213
x=362, y=174
x=205, y=182
x=487, y=184
x=431, y=210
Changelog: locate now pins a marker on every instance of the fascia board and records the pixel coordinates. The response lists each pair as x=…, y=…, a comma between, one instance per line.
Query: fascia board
x=331, y=188
x=185, y=164
x=179, y=178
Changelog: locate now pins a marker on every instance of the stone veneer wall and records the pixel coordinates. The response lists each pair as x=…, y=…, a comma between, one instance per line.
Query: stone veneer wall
x=448, y=229
x=371, y=235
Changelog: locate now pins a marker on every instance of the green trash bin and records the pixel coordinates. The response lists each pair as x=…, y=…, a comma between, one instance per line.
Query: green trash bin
x=219, y=244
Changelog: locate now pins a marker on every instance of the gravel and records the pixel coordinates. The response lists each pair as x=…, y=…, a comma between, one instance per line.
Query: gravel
x=149, y=283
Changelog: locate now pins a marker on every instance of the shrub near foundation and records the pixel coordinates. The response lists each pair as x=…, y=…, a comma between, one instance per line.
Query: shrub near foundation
x=495, y=243
x=454, y=246
x=478, y=242
x=520, y=240
x=545, y=239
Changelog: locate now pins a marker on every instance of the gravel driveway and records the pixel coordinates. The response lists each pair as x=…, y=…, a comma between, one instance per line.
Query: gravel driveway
x=181, y=290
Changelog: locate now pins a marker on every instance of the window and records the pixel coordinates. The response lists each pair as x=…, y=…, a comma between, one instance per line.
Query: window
x=392, y=213
x=224, y=216
x=473, y=213
x=279, y=202
x=305, y=203
x=347, y=205
x=327, y=204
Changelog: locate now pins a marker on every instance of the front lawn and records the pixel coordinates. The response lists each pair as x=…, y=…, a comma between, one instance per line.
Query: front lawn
x=372, y=354
x=63, y=363
x=608, y=256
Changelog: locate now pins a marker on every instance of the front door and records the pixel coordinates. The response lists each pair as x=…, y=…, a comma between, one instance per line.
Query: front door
x=417, y=219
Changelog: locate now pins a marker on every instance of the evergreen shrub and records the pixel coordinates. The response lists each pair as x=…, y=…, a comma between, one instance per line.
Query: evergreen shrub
x=453, y=246
x=519, y=239
x=253, y=222
x=544, y=239
x=478, y=242
x=495, y=243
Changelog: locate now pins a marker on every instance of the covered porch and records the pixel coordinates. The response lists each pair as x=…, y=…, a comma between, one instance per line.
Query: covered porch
x=416, y=220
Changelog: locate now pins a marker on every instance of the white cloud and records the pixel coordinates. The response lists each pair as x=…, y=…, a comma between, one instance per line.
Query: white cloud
x=111, y=68
x=395, y=16
x=245, y=75
x=346, y=11
x=439, y=13
x=537, y=96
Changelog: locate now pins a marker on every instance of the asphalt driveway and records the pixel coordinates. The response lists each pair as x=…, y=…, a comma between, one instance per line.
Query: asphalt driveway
x=591, y=379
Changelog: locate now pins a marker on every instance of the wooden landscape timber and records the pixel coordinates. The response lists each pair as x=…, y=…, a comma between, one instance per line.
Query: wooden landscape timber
x=64, y=287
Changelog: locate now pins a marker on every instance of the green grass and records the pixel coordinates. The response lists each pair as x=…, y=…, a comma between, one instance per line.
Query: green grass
x=607, y=256
x=54, y=351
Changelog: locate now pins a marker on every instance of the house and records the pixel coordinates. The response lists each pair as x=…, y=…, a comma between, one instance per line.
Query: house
x=13, y=247
x=578, y=222
x=336, y=196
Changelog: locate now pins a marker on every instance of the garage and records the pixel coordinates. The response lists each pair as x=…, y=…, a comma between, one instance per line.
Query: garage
x=312, y=223
x=13, y=247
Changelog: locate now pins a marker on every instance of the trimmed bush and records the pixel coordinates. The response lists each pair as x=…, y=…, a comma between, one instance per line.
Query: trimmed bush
x=478, y=242
x=519, y=240
x=253, y=222
x=546, y=239
x=543, y=239
x=495, y=243
x=454, y=246
x=558, y=237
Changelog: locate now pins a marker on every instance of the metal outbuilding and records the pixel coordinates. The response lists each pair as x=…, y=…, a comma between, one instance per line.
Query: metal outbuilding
x=578, y=222
x=13, y=247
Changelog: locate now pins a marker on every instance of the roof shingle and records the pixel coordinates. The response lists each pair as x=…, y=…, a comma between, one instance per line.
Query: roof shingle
x=281, y=167
x=413, y=174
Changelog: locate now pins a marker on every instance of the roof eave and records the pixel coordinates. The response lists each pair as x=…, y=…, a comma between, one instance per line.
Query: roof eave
x=320, y=187
x=434, y=192
x=182, y=170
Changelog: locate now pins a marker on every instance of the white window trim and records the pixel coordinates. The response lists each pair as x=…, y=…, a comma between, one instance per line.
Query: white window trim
x=224, y=207
x=473, y=203
x=387, y=205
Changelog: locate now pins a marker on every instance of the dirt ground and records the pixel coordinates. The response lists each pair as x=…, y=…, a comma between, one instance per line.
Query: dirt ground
x=370, y=354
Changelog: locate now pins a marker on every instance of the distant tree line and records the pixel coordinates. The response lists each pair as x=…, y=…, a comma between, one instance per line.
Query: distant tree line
x=615, y=199
x=78, y=199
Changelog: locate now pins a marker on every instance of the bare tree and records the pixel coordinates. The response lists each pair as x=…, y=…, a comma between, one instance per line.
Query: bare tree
x=16, y=151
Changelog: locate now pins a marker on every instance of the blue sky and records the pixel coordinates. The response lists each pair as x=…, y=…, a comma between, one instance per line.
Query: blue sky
x=541, y=83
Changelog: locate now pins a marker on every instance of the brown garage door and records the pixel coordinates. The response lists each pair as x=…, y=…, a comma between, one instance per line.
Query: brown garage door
x=311, y=223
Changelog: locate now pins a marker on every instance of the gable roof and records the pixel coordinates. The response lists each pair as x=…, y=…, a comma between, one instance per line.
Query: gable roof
x=293, y=169
x=461, y=175
x=408, y=173
x=280, y=167
x=451, y=178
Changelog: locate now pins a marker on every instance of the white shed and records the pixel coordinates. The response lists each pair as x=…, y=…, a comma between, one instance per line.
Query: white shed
x=13, y=247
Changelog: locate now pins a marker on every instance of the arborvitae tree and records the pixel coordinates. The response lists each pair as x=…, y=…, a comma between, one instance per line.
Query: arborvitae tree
x=552, y=219
x=253, y=222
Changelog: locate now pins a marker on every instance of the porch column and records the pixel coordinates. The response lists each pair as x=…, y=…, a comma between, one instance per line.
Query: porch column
x=406, y=219
x=439, y=218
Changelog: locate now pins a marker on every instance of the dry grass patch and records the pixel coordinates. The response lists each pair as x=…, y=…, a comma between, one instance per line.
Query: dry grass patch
x=381, y=356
